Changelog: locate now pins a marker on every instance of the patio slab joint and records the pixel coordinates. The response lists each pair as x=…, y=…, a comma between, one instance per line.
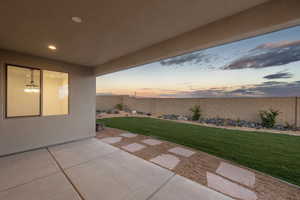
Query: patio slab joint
x=160, y=187
x=66, y=176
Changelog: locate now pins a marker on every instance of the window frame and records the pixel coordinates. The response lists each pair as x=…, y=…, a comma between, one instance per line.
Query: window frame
x=41, y=91
x=6, y=91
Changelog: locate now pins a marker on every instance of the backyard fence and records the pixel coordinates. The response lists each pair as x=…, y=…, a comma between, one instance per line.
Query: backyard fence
x=231, y=108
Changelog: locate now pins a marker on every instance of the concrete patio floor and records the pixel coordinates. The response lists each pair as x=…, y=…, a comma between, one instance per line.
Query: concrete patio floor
x=92, y=170
x=210, y=171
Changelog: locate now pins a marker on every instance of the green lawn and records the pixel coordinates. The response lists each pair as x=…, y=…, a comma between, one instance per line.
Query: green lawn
x=274, y=154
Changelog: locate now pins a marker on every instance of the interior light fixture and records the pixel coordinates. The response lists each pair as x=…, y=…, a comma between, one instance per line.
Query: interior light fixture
x=76, y=19
x=52, y=47
x=32, y=87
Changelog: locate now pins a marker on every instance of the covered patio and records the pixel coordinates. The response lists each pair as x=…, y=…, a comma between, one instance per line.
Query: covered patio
x=91, y=169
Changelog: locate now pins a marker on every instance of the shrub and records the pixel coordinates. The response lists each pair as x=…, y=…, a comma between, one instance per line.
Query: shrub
x=196, y=110
x=289, y=126
x=268, y=117
x=119, y=106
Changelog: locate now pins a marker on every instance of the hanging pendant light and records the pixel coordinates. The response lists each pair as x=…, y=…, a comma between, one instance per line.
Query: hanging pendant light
x=32, y=87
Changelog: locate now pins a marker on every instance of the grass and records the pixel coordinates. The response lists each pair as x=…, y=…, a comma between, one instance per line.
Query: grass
x=274, y=154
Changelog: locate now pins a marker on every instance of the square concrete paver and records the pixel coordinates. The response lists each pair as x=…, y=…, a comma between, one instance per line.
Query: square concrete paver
x=53, y=187
x=151, y=142
x=180, y=188
x=166, y=160
x=133, y=147
x=25, y=167
x=128, y=135
x=111, y=140
x=237, y=174
x=227, y=187
x=181, y=151
x=74, y=153
x=118, y=176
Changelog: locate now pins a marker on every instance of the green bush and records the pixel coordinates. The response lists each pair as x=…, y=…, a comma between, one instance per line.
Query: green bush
x=119, y=106
x=197, y=113
x=268, y=117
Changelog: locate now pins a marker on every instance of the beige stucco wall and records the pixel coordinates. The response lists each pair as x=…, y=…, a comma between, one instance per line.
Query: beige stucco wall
x=21, y=134
x=233, y=108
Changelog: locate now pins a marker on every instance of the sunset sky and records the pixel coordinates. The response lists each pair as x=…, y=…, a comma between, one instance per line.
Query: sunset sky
x=266, y=65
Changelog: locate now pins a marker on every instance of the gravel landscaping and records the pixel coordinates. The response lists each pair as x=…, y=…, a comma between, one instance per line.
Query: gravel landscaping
x=206, y=169
x=228, y=122
x=274, y=154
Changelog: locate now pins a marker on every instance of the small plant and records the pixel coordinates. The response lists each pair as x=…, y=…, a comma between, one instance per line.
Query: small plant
x=268, y=117
x=289, y=126
x=119, y=106
x=196, y=110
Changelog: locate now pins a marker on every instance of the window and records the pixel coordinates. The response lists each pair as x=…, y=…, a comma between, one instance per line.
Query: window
x=26, y=97
x=23, y=91
x=55, y=93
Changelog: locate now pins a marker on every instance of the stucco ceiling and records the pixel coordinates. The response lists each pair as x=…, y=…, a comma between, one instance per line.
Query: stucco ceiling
x=110, y=28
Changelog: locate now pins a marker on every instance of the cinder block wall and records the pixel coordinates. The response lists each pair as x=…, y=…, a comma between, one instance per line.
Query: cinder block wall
x=140, y=104
x=108, y=102
x=233, y=108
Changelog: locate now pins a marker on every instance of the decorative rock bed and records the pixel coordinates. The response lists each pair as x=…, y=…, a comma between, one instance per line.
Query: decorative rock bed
x=227, y=122
x=217, y=121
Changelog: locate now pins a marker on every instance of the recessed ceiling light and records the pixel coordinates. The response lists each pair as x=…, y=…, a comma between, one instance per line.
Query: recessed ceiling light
x=52, y=47
x=76, y=19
